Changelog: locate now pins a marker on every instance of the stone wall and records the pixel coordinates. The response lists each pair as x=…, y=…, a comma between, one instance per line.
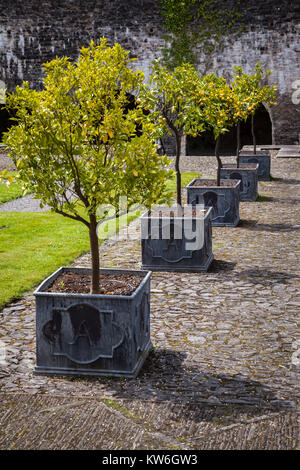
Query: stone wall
x=33, y=32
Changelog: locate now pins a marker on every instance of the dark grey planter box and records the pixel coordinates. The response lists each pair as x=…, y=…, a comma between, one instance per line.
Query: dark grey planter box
x=97, y=335
x=248, y=175
x=224, y=201
x=263, y=158
x=161, y=252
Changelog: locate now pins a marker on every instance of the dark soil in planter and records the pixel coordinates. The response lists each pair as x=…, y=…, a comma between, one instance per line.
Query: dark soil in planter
x=73, y=283
x=210, y=183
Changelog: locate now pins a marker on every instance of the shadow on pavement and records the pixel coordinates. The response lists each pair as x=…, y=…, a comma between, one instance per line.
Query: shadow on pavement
x=253, y=225
x=165, y=378
x=218, y=266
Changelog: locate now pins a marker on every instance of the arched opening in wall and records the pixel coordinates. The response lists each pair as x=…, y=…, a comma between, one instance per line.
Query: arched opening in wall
x=205, y=143
x=5, y=121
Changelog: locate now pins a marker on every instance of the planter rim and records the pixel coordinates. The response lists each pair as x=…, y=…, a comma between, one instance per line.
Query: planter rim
x=191, y=184
x=145, y=215
x=243, y=166
x=259, y=153
x=45, y=283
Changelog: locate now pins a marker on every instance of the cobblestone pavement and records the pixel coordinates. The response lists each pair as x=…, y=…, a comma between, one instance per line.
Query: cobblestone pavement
x=223, y=372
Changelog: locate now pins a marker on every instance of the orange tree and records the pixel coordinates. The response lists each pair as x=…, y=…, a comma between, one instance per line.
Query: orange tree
x=174, y=100
x=78, y=146
x=217, y=110
x=249, y=94
x=242, y=104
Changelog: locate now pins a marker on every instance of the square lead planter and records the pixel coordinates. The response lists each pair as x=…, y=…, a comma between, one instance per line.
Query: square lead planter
x=224, y=200
x=96, y=335
x=168, y=243
x=262, y=158
x=247, y=173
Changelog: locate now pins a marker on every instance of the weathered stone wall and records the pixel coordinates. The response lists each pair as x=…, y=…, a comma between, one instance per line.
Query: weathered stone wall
x=272, y=37
x=33, y=32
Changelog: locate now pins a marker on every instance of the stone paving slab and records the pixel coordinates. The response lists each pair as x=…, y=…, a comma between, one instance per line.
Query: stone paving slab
x=283, y=151
x=224, y=345
x=288, y=154
x=43, y=422
x=295, y=147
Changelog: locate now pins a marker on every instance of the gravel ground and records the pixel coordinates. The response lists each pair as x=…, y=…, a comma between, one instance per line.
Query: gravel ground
x=5, y=161
x=23, y=204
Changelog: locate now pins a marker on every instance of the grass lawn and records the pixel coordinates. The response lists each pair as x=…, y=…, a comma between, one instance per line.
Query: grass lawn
x=186, y=178
x=7, y=193
x=33, y=245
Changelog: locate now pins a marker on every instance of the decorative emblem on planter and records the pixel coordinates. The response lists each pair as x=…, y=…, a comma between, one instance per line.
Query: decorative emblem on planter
x=177, y=243
x=217, y=202
x=170, y=246
x=237, y=176
x=263, y=170
x=211, y=200
x=171, y=251
x=82, y=333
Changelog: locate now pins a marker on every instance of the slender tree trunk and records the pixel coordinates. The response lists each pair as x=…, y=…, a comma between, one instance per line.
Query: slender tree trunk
x=162, y=145
x=177, y=169
x=238, y=146
x=217, y=153
x=253, y=133
x=95, y=286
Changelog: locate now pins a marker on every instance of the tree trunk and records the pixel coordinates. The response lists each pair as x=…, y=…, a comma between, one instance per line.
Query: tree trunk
x=253, y=133
x=177, y=169
x=162, y=146
x=238, y=146
x=217, y=153
x=95, y=285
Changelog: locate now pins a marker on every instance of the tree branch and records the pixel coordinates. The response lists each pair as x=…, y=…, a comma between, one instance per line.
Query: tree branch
x=76, y=217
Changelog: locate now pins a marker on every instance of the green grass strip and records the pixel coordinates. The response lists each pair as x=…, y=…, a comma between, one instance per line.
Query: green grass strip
x=9, y=192
x=34, y=244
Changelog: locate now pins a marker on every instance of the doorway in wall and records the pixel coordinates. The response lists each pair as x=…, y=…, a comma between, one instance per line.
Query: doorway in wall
x=5, y=121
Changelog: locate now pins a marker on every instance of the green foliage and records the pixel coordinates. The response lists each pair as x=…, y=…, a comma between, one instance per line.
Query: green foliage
x=169, y=97
x=196, y=22
x=78, y=138
x=222, y=105
x=9, y=191
x=216, y=102
x=249, y=91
